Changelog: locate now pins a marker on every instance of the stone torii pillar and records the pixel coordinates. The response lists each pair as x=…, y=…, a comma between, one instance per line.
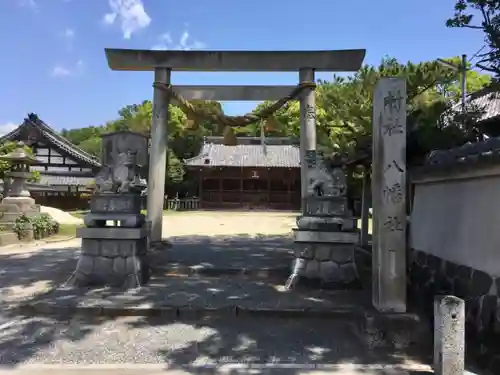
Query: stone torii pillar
x=307, y=128
x=158, y=155
x=163, y=62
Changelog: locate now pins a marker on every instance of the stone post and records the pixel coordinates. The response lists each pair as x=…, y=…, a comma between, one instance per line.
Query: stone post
x=449, y=335
x=158, y=156
x=307, y=127
x=389, y=195
x=365, y=208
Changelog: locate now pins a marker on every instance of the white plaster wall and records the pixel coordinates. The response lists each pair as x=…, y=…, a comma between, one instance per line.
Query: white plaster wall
x=459, y=221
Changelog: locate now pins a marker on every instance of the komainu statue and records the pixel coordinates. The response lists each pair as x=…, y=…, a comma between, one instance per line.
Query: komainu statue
x=326, y=232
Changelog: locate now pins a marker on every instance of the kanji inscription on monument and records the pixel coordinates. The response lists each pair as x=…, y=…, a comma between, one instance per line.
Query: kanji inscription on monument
x=389, y=195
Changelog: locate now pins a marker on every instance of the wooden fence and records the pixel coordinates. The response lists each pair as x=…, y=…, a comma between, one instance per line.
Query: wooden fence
x=184, y=204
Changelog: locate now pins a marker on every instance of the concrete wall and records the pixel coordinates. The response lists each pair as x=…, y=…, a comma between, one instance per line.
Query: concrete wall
x=459, y=220
x=455, y=249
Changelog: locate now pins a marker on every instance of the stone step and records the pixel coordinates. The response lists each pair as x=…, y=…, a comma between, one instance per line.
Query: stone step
x=197, y=297
x=232, y=369
x=277, y=274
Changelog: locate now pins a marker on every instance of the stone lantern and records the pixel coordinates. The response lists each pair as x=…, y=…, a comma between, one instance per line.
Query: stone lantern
x=17, y=200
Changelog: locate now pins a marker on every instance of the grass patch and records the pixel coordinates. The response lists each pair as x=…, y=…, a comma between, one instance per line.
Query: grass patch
x=66, y=230
x=82, y=213
x=78, y=214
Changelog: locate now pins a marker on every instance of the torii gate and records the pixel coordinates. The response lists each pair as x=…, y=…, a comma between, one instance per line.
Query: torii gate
x=388, y=265
x=164, y=62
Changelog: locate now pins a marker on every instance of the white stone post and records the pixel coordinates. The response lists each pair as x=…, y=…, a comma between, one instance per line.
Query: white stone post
x=307, y=127
x=158, y=156
x=389, y=195
x=449, y=335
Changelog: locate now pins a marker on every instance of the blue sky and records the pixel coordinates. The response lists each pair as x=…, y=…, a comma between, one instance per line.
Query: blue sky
x=52, y=61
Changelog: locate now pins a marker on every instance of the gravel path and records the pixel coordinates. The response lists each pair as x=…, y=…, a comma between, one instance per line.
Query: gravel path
x=179, y=343
x=228, y=223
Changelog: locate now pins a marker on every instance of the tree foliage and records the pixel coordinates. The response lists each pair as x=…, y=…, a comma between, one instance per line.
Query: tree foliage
x=483, y=15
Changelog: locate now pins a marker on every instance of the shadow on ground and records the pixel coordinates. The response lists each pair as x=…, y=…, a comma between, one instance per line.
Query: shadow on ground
x=25, y=273
x=225, y=252
x=180, y=341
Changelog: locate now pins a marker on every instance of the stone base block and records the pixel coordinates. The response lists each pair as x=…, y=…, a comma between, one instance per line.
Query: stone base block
x=8, y=238
x=329, y=263
x=120, y=263
x=326, y=224
x=19, y=204
x=116, y=203
x=111, y=233
x=97, y=220
x=312, y=236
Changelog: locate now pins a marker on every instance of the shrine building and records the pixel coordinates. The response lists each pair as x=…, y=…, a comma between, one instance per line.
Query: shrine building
x=65, y=170
x=248, y=175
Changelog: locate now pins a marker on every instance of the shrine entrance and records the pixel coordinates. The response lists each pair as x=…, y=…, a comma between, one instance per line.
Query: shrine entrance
x=388, y=139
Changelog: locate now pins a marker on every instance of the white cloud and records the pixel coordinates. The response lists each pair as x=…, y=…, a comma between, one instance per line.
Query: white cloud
x=69, y=33
x=130, y=14
x=185, y=43
x=61, y=70
x=69, y=36
x=164, y=41
x=28, y=4
x=6, y=128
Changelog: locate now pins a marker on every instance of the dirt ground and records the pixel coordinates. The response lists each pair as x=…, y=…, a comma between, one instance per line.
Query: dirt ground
x=228, y=223
x=32, y=268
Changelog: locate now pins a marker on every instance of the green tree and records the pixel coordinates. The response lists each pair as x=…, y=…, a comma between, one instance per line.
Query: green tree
x=482, y=15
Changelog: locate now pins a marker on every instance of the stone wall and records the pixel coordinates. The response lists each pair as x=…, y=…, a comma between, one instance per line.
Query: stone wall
x=429, y=275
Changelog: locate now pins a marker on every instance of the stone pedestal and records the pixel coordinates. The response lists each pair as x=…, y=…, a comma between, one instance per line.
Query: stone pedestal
x=115, y=257
x=13, y=207
x=121, y=208
x=326, y=248
x=325, y=237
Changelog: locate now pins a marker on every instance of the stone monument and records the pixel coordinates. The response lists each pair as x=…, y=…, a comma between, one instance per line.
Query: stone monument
x=17, y=200
x=326, y=235
x=116, y=255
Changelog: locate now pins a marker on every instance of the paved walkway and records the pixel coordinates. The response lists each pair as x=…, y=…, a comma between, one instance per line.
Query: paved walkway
x=173, y=341
x=29, y=269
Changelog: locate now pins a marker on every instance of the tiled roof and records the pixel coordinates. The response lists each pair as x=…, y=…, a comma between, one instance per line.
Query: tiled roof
x=53, y=180
x=485, y=101
x=470, y=152
x=54, y=137
x=247, y=155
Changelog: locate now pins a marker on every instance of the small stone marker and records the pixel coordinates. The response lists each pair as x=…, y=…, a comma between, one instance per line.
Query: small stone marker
x=449, y=335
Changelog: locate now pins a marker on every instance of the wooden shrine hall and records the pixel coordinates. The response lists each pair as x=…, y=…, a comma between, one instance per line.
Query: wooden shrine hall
x=65, y=170
x=248, y=175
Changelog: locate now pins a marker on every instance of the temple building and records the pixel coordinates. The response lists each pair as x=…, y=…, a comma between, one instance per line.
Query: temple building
x=65, y=170
x=248, y=175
